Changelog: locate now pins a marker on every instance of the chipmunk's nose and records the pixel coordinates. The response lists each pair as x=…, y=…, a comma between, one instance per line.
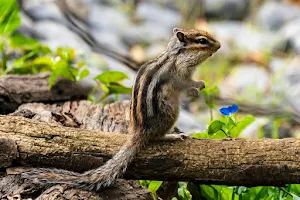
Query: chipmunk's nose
x=217, y=45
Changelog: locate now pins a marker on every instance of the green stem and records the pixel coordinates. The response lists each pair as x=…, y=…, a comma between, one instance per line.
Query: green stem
x=4, y=57
x=211, y=114
x=154, y=196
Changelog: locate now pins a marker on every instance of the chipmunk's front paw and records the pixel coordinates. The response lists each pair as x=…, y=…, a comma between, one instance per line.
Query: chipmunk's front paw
x=192, y=92
x=200, y=84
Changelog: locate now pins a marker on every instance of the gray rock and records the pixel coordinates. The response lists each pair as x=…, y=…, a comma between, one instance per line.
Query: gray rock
x=292, y=77
x=57, y=35
x=111, y=39
x=239, y=37
x=273, y=15
x=46, y=10
x=226, y=9
x=188, y=124
x=289, y=34
x=107, y=18
x=154, y=50
x=161, y=15
x=148, y=32
x=247, y=81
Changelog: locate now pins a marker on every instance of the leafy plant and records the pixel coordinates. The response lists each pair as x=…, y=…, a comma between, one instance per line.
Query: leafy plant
x=152, y=186
x=110, y=82
x=210, y=95
x=23, y=55
x=228, y=125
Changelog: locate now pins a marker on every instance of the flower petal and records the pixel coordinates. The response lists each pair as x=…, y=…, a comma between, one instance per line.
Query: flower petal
x=225, y=111
x=233, y=108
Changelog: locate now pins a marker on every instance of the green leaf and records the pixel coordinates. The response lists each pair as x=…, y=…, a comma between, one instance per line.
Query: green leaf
x=154, y=185
x=81, y=64
x=62, y=68
x=295, y=197
x=84, y=73
x=144, y=183
x=9, y=16
x=91, y=98
x=22, y=42
x=43, y=61
x=262, y=194
x=232, y=121
x=118, y=89
x=295, y=188
x=240, y=189
x=111, y=76
x=241, y=125
x=201, y=135
x=66, y=53
x=105, y=89
x=214, y=127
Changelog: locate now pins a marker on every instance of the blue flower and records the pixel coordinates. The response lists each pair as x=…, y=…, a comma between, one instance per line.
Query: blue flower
x=229, y=110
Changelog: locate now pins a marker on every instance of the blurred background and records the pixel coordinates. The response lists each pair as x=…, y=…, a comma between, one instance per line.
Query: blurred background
x=257, y=67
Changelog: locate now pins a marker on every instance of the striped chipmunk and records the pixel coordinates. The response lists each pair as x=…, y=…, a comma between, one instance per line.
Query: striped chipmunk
x=154, y=107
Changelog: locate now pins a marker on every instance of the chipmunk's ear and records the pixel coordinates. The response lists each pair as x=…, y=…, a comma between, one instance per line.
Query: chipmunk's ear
x=180, y=36
x=175, y=30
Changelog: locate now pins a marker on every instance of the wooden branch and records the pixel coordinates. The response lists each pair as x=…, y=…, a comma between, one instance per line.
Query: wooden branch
x=13, y=186
x=18, y=89
x=229, y=161
x=264, y=110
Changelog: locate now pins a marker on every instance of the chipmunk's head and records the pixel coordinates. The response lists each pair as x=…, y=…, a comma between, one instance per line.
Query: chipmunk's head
x=193, y=46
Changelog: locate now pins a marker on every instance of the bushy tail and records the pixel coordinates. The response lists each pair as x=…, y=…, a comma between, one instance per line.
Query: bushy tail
x=89, y=180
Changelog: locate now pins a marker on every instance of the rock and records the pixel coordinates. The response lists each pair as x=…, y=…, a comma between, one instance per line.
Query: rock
x=188, y=124
x=292, y=78
x=160, y=15
x=47, y=10
x=148, y=32
x=226, y=9
x=253, y=130
x=241, y=38
x=111, y=39
x=286, y=76
x=273, y=15
x=27, y=27
x=154, y=50
x=79, y=9
x=57, y=35
x=247, y=81
x=107, y=18
x=289, y=37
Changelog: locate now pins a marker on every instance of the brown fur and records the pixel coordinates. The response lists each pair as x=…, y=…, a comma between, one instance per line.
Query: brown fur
x=154, y=108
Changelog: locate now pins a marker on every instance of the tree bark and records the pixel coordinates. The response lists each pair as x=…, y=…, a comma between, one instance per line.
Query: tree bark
x=18, y=89
x=228, y=161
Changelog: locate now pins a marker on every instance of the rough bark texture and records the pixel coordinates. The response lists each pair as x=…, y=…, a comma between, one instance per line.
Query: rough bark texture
x=230, y=162
x=82, y=114
x=13, y=186
x=18, y=89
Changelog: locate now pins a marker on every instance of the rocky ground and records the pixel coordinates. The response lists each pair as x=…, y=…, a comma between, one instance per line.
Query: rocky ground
x=259, y=61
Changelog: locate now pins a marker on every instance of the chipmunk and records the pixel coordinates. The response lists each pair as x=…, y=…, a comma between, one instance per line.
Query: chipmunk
x=154, y=107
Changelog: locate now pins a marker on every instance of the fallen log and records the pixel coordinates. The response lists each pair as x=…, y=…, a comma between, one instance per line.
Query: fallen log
x=228, y=161
x=18, y=89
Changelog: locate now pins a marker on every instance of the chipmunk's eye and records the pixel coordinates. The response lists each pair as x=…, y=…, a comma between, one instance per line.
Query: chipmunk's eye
x=203, y=41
